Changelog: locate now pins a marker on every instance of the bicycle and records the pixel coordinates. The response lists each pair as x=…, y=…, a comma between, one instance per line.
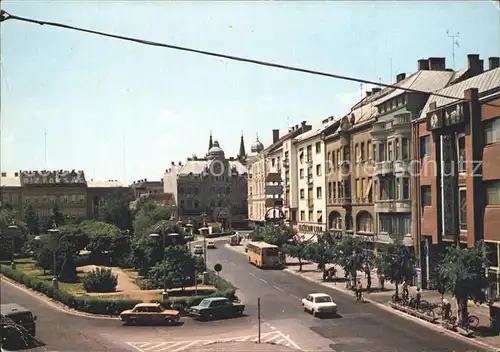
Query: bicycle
x=401, y=300
x=472, y=321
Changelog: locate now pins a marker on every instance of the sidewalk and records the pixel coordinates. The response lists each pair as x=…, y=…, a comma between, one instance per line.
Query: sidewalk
x=376, y=294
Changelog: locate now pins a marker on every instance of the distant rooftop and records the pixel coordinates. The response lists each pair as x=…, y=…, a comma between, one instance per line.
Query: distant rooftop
x=103, y=184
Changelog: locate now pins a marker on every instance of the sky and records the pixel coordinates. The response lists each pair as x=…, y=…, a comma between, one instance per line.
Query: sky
x=125, y=111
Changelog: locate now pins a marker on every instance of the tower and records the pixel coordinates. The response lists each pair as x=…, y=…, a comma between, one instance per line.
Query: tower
x=210, y=142
x=242, y=154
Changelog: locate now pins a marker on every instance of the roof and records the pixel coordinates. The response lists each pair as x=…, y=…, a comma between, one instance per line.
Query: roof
x=196, y=167
x=103, y=184
x=424, y=80
x=263, y=244
x=147, y=304
x=10, y=181
x=485, y=82
x=315, y=130
x=211, y=299
x=318, y=294
x=12, y=308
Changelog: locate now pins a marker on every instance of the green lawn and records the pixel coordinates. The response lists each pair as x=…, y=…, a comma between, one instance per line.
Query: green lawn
x=28, y=267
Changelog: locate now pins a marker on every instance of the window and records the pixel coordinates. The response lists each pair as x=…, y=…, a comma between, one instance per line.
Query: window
x=462, y=214
x=425, y=146
x=381, y=152
x=338, y=157
x=369, y=151
x=339, y=193
x=301, y=155
x=462, y=157
x=318, y=147
x=404, y=148
x=196, y=203
x=358, y=188
x=356, y=152
x=492, y=131
x=389, y=148
x=328, y=161
x=319, y=193
x=302, y=215
x=302, y=193
x=318, y=170
x=398, y=189
x=362, y=151
x=301, y=173
x=330, y=192
x=426, y=196
x=396, y=151
x=493, y=193
x=310, y=216
x=395, y=224
x=406, y=188
x=273, y=162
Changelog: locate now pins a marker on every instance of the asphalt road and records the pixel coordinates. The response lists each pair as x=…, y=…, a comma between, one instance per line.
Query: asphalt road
x=360, y=327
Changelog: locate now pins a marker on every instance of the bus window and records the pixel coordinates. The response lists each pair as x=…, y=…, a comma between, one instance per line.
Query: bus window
x=271, y=252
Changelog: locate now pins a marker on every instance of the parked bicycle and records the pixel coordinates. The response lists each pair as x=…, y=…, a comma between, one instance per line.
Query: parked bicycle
x=472, y=321
x=424, y=306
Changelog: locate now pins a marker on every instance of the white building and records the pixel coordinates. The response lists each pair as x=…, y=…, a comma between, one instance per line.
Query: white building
x=309, y=171
x=170, y=180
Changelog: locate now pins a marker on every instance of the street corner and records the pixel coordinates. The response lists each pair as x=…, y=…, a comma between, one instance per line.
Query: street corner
x=269, y=338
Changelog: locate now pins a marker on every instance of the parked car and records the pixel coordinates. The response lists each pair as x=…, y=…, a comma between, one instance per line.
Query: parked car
x=217, y=307
x=198, y=249
x=144, y=313
x=319, y=303
x=211, y=244
x=16, y=338
x=12, y=312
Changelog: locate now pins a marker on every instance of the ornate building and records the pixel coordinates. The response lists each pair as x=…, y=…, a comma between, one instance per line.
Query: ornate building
x=214, y=187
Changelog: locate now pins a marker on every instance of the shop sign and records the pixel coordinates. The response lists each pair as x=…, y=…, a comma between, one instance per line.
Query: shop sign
x=418, y=274
x=449, y=116
x=448, y=186
x=312, y=229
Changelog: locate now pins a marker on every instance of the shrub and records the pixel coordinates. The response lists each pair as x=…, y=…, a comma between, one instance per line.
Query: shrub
x=100, y=280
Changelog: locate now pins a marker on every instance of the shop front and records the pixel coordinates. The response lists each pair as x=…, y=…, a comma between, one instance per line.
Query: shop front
x=310, y=231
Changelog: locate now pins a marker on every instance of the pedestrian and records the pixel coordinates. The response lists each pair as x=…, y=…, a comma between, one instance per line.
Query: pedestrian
x=406, y=292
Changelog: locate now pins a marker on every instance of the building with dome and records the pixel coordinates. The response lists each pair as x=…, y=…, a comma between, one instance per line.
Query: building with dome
x=213, y=186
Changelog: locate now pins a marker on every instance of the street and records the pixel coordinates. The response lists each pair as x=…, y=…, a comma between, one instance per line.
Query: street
x=360, y=327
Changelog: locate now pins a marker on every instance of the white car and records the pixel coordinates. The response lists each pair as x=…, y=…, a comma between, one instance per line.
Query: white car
x=198, y=249
x=319, y=303
x=211, y=244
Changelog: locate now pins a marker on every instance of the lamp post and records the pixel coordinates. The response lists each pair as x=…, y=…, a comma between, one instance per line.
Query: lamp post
x=165, y=292
x=13, y=229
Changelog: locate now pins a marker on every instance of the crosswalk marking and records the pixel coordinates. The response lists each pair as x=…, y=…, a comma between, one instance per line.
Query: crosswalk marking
x=275, y=337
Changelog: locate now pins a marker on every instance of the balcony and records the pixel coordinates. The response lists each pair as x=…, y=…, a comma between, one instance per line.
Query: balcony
x=310, y=203
x=402, y=167
x=384, y=168
x=393, y=206
x=309, y=160
x=402, y=120
x=339, y=201
x=286, y=163
x=309, y=180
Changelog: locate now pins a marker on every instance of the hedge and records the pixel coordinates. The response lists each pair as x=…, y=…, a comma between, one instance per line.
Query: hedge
x=83, y=304
x=113, y=307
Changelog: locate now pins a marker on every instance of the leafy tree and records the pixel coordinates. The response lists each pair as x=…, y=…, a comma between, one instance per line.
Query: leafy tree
x=106, y=241
x=57, y=217
x=65, y=262
x=67, y=270
x=396, y=262
x=322, y=252
x=32, y=221
x=351, y=255
x=100, y=280
x=148, y=215
x=277, y=234
x=462, y=272
x=296, y=250
x=116, y=211
x=75, y=235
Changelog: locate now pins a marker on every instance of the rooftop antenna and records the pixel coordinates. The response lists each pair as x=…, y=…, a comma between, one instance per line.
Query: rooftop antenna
x=45, y=147
x=454, y=42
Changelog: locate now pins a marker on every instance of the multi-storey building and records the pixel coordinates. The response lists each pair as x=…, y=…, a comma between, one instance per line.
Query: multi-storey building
x=456, y=182
x=45, y=189
x=214, y=187
x=99, y=191
x=310, y=153
x=142, y=187
x=256, y=165
x=11, y=191
x=273, y=181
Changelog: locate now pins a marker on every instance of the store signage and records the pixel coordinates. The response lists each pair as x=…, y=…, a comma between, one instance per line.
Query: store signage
x=313, y=229
x=448, y=186
x=272, y=190
x=449, y=116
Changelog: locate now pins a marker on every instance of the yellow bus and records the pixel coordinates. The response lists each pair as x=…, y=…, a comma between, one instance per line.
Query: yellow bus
x=263, y=255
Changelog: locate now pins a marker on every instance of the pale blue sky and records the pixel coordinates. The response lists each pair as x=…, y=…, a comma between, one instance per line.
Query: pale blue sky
x=91, y=93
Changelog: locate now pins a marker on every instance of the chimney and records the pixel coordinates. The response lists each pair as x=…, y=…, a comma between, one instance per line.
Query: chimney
x=437, y=63
x=173, y=163
x=493, y=63
x=422, y=65
x=474, y=64
x=303, y=126
x=400, y=77
x=376, y=90
x=276, y=135
x=180, y=163
x=16, y=174
x=4, y=174
x=368, y=93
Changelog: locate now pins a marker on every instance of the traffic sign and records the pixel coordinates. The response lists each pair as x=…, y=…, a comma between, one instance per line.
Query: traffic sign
x=218, y=267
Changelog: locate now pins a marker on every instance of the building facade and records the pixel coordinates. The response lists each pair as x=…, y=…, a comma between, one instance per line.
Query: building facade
x=214, y=187
x=256, y=165
x=99, y=191
x=11, y=191
x=456, y=184
x=145, y=187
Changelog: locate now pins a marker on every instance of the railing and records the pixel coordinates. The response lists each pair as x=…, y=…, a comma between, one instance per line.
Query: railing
x=384, y=167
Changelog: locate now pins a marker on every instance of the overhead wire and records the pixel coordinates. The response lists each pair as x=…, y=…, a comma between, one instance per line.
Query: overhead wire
x=4, y=16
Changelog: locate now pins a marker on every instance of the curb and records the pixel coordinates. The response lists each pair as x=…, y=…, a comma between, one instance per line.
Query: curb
x=53, y=303
x=227, y=245
x=434, y=327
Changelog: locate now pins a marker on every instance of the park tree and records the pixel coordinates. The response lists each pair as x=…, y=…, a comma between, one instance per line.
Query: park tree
x=64, y=254
x=148, y=215
x=106, y=241
x=396, y=262
x=116, y=211
x=297, y=250
x=322, y=252
x=462, y=273
x=32, y=221
x=57, y=217
x=277, y=234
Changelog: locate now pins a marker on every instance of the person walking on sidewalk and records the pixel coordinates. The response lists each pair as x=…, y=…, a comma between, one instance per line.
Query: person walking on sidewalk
x=359, y=291
x=406, y=291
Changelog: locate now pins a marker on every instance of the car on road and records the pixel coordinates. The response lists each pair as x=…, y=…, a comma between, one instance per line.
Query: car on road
x=198, y=249
x=14, y=313
x=144, y=313
x=211, y=244
x=217, y=307
x=14, y=338
x=319, y=304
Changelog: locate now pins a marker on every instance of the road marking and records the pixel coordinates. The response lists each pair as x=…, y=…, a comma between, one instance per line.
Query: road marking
x=277, y=288
x=233, y=264
x=264, y=281
x=251, y=274
x=275, y=337
x=293, y=296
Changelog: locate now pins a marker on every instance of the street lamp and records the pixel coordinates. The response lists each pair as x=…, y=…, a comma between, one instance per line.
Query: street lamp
x=13, y=228
x=156, y=236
